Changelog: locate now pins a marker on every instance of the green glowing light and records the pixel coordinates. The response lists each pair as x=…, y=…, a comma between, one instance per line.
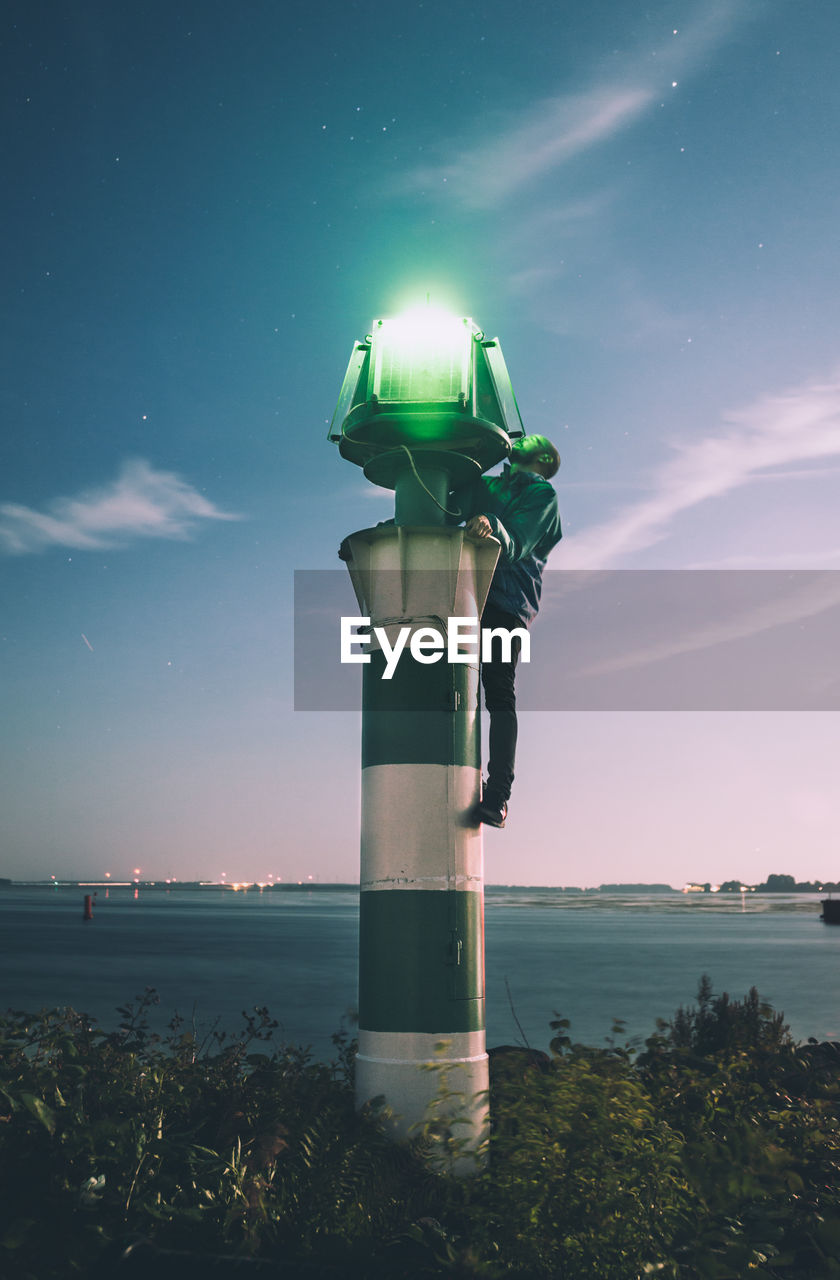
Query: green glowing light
x=422, y=356
x=427, y=380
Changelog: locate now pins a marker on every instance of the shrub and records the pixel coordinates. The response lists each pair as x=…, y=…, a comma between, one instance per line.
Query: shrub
x=712, y=1155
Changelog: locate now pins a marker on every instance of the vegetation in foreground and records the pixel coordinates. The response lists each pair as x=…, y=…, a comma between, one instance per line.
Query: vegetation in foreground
x=710, y=1153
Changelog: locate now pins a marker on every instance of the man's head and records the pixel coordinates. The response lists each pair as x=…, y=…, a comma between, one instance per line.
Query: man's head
x=535, y=453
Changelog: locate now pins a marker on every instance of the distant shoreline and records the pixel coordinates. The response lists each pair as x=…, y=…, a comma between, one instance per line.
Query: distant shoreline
x=318, y=886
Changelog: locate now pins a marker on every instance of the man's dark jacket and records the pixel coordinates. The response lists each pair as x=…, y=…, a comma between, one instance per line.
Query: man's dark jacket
x=522, y=509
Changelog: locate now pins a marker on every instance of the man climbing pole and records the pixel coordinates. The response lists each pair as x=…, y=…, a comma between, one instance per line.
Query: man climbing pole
x=519, y=507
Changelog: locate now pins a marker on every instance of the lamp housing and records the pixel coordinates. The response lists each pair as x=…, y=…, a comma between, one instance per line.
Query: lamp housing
x=427, y=383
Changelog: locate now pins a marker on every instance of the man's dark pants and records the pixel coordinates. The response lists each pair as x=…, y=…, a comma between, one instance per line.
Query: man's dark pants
x=499, y=678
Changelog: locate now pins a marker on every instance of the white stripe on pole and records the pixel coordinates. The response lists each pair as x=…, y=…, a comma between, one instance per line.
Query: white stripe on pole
x=414, y=827
x=425, y=1077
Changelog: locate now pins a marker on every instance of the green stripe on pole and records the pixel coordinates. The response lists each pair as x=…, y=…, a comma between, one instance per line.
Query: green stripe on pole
x=421, y=961
x=425, y=714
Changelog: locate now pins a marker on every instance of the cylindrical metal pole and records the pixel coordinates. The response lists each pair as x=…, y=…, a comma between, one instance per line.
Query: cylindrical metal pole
x=421, y=943
x=420, y=495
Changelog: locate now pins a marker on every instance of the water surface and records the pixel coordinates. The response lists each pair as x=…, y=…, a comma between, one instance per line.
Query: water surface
x=211, y=953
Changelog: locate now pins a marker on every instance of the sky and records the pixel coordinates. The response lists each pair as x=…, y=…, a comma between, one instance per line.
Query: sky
x=205, y=205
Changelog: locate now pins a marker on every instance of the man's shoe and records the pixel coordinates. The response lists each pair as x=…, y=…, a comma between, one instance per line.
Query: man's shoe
x=491, y=812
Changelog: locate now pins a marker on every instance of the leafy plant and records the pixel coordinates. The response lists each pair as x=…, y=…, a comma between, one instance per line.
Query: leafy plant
x=713, y=1154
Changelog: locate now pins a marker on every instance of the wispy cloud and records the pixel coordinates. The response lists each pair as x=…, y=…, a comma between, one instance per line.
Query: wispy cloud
x=140, y=503
x=554, y=131
x=796, y=426
x=522, y=147
x=789, y=598
x=825, y=556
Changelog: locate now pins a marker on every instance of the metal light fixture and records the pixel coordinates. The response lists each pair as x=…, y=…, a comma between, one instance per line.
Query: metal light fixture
x=430, y=385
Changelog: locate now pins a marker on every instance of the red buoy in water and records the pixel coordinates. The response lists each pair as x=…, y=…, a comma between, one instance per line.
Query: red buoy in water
x=88, y=907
